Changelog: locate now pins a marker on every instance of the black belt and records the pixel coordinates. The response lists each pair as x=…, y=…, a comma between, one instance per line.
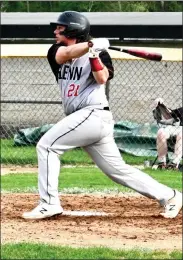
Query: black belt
x=106, y=108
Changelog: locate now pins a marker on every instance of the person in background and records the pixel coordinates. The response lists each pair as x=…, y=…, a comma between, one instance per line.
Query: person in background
x=171, y=122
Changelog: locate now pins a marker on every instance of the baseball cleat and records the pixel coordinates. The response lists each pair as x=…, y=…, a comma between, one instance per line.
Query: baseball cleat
x=172, y=166
x=173, y=206
x=161, y=166
x=43, y=210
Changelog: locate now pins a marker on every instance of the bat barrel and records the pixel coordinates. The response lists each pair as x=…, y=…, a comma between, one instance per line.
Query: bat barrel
x=140, y=53
x=144, y=54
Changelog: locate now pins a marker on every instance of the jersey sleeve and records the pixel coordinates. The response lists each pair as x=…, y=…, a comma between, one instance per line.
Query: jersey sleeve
x=106, y=60
x=51, y=59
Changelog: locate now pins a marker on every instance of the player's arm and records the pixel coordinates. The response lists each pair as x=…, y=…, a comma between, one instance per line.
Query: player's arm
x=100, y=60
x=101, y=66
x=51, y=59
x=102, y=75
x=66, y=53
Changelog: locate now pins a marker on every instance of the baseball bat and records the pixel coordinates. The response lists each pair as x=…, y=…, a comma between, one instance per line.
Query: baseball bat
x=139, y=53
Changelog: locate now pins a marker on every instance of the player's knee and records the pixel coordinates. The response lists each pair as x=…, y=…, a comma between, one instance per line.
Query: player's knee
x=41, y=145
x=161, y=134
x=38, y=146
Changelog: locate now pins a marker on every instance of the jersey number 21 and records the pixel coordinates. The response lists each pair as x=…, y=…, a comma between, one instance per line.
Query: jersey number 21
x=73, y=90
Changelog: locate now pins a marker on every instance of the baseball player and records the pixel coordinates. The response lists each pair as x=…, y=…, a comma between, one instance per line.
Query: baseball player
x=82, y=67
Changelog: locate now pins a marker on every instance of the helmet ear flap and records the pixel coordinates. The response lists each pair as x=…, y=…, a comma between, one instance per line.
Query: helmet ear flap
x=84, y=38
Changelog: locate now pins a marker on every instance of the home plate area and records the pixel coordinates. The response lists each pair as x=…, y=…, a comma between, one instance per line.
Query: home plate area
x=116, y=221
x=84, y=213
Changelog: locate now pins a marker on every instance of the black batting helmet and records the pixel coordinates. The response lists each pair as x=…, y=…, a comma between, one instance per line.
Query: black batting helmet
x=77, y=25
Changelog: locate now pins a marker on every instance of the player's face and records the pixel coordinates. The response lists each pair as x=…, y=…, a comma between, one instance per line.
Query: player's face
x=58, y=37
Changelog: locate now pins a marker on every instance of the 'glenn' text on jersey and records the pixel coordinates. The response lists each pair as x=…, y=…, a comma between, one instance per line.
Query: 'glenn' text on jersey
x=69, y=73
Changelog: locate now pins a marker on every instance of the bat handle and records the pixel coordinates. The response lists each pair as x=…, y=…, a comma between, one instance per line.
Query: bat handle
x=115, y=48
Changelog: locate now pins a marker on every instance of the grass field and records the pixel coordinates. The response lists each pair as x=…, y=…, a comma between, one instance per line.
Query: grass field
x=23, y=155
x=41, y=251
x=84, y=179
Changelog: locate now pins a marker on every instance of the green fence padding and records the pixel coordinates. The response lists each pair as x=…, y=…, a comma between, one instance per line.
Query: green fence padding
x=30, y=136
x=130, y=137
x=136, y=139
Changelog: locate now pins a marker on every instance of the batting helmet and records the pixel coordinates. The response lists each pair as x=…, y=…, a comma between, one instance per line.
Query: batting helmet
x=77, y=25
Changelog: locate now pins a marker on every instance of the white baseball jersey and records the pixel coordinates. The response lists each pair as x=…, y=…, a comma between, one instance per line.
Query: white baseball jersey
x=77, y=84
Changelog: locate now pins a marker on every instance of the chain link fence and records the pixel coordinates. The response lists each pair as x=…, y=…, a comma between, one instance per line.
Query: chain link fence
x=30, y=96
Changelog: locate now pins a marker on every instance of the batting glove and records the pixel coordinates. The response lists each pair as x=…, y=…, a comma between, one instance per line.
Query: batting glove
x=95, y=61
x=99, y=44
x=93, y=53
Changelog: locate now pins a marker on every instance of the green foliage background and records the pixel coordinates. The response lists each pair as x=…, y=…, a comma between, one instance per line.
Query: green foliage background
x=91, y=6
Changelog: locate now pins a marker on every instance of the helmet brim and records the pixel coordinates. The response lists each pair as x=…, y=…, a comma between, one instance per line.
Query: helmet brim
x=53, y=24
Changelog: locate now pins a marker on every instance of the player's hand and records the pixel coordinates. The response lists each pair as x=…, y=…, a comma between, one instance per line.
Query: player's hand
x=99, y=44
x=93, y=53
x=95, y=62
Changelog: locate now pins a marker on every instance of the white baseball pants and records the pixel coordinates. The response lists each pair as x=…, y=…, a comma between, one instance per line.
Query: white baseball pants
x=92, y=129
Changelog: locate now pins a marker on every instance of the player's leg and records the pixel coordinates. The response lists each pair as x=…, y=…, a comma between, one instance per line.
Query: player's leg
x=162, y=148
x=178, y=149
x=108, y=158
x=106, y=155
x=177, y=155
x=73, y=131
x=76, y=130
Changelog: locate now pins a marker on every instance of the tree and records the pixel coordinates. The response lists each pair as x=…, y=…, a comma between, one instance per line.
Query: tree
x=27, y=2
x=91, y=6
x=4, y=6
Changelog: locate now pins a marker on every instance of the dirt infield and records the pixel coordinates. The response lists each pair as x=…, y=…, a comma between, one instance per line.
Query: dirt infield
x=135, y=222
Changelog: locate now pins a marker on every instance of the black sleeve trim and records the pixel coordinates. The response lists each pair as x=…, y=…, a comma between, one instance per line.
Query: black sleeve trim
x=106, y=60
x=51, y=59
